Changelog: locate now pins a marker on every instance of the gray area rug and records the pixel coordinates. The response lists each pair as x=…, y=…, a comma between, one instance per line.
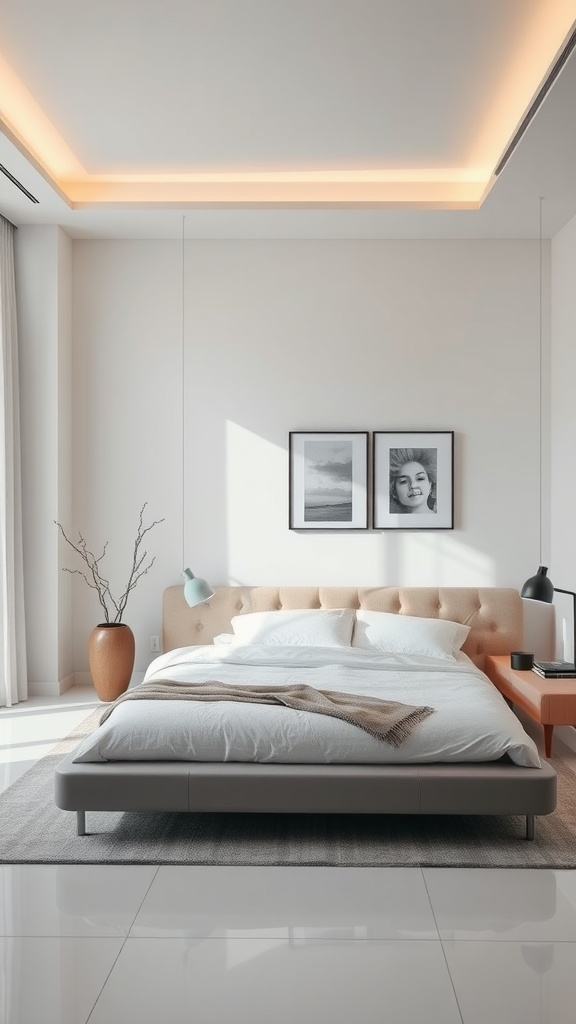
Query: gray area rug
x=35, y=831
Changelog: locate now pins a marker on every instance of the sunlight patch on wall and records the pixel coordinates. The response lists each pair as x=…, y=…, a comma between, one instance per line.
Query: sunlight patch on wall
x=261, y=548
x=439, y=559
x=256, y=505
x=263, y=551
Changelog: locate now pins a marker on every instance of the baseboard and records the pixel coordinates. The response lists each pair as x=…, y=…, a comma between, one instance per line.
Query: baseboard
x=51, y=688
x=85, y=679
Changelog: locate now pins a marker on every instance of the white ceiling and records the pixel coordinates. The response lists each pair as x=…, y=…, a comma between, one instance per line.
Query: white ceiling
x=173, y=87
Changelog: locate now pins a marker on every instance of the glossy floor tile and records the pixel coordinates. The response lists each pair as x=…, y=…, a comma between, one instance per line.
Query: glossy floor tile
x=30, y=729
x=105, y=944
x=71, y=899
x=256, y=981
x=339, y=903
x=53, y=981
x=476, y=903
x=514, y=982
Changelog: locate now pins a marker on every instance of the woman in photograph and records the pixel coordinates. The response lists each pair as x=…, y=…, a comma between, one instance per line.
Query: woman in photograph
x=413, y=480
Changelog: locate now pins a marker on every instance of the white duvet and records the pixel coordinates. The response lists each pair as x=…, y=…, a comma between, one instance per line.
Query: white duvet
x=471, y=720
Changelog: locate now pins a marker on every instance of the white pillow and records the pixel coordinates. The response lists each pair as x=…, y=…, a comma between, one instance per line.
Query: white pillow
x=302, y=627
x=224, y=639
x=408, y=634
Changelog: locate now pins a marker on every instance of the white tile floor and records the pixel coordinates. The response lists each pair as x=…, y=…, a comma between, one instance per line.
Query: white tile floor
x=173, y=945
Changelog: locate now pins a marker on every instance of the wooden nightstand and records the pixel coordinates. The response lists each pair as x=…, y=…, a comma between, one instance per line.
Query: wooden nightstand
x=547, y=701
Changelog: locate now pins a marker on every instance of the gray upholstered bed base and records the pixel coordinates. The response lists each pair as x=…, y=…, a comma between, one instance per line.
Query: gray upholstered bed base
x=493, y=788
x=501, y=787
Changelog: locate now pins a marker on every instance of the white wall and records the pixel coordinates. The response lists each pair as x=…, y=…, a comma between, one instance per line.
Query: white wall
x=298, y=335
x=43, y=275
x=65, y=468
x=563, y=417
x=563, y=409
x=127, y=431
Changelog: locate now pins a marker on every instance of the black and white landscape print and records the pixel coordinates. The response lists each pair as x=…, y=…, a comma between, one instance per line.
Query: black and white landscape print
x=328, y=485
x=328, y=465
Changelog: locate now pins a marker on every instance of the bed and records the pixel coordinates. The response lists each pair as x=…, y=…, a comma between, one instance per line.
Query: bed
x=336, y=767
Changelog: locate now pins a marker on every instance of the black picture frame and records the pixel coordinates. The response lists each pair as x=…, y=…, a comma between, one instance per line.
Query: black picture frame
x=422, y=497
x=328, y=479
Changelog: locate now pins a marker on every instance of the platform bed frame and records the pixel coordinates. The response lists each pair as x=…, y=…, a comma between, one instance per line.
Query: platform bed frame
x=491, y=788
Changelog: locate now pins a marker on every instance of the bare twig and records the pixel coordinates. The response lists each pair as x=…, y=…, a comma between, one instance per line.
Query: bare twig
x=113, y=609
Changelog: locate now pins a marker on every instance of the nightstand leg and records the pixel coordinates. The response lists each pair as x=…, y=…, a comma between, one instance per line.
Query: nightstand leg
x=548, y=730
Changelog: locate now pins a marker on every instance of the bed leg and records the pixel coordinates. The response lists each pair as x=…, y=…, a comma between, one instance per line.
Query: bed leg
x=529, y=826
x=81, y=823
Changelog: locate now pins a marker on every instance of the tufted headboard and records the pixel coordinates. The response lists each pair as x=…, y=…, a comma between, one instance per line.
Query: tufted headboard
x=493, y=613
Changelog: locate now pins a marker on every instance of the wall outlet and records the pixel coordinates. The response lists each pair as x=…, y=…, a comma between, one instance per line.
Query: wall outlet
x=155, y=644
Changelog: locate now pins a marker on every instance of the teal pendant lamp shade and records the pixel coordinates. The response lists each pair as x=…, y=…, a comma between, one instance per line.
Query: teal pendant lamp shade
x=196, y=590
x=539, y=587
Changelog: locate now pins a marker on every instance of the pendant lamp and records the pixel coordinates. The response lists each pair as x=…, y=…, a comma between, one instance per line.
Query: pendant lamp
x=196, y=590
x=539, y=587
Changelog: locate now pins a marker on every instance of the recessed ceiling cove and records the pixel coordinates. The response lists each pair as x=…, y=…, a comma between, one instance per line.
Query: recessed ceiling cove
x=309, y=103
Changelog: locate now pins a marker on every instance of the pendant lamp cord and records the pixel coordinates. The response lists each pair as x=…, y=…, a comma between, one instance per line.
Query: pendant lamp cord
x=183, y=339
x=541, y=305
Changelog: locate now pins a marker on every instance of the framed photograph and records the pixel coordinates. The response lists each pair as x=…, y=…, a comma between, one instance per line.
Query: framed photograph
x=413, y=480
x=328, y=487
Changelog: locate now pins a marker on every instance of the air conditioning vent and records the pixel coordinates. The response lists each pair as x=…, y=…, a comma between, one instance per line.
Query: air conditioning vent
x=18, y=184
x=555, y=70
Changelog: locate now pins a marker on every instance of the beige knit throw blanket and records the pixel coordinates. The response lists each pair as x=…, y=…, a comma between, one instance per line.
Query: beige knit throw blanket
x=386, y=720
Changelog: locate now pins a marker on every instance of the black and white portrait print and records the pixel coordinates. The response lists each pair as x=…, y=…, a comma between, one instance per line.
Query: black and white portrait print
x=413, y=478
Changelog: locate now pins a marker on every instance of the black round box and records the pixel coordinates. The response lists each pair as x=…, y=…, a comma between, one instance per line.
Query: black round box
x=521, y=660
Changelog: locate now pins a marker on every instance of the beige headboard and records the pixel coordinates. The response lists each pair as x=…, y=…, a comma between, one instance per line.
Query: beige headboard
x=493, y=613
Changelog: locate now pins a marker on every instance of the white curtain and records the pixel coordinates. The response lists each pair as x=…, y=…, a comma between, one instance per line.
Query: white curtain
x=13, y=678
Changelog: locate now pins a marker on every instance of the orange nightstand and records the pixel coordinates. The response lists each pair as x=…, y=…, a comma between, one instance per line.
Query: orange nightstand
x=548, y=701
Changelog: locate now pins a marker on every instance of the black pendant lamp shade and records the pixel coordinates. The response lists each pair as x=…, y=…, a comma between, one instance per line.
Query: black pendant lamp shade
x=539, y=587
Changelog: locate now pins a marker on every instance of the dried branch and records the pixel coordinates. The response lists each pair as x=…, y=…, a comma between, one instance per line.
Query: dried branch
x=113, y=609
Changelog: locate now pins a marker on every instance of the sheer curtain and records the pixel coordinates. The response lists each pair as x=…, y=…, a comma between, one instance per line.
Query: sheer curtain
x=13, y=681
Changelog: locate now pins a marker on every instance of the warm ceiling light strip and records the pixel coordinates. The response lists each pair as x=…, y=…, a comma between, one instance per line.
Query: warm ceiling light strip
x=421, y=175
x=432, y=195
x=26, y=124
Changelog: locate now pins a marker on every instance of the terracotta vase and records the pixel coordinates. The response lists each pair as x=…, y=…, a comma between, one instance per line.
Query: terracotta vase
x=111, y=657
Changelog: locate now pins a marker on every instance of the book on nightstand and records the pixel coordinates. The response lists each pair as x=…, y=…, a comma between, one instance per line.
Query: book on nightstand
x=555, y=669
